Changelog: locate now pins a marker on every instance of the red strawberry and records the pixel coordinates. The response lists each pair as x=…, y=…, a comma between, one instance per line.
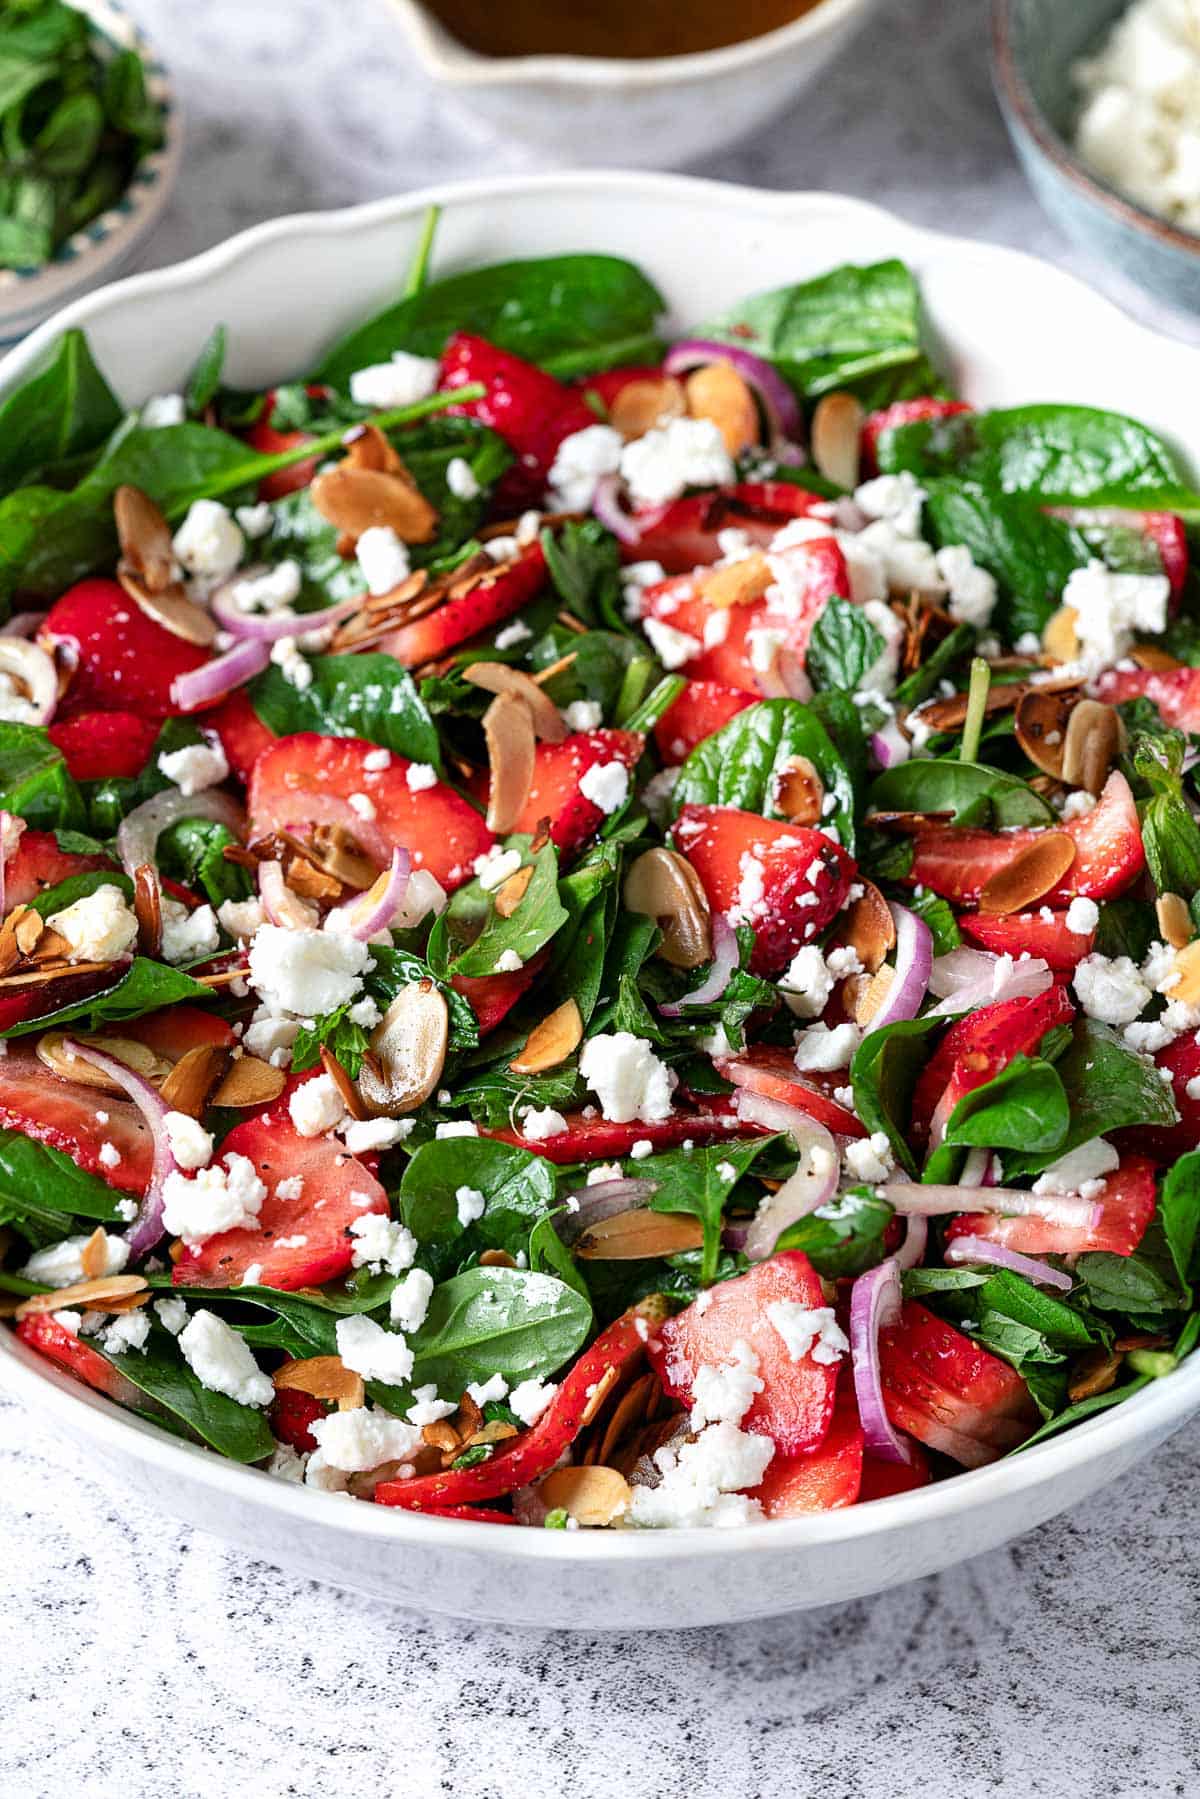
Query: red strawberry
x=1126, y=1208
x=1108, y=853
x=787, y=881
x=685, y=534
x=880, y=1480
x=487, y=605
x=100, y=744
x=243, y=735
x=123, y=660
x=175, y=1030
x=723, y=657
x=308, y=780
x=902, y=412
x=559, y=768
x=263, y=437
x=291, y=1415
x=493, y=996
x=598, y=1140
x=1165, y=530
x=1028, y=933
x=38, y=863
x=948, y=1393
x=823, y=1479
x=53, y=1340
x=772, y=1072
x=1166, y=1144
x=65, y=1116
x=316, y=1243
x=1175, y=691
x=977, y=1047
x=475, y=1514
x=702, y=708
x=795, y=1407
x=531, y=410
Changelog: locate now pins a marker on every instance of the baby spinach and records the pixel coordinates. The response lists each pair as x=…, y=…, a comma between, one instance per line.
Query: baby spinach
x=518, y=1189
x=43, y=1186
x=473, y=918
x=584, y=561
x=844, y=646
x=571, y=315
x=145, y=987
x=368, y=696
x=883, y=1074
x=938, y=914
x=193, y=852
x=1031, y=556
x=954, y=648
x=77, y=887
x=62, y=412
x=505, y=1321
x=1024, y=1107
x=494, y=1096
x=740, y=764
x=238, y=1431
x=204, y=381
x=1108, y=1087
x=843, y=1237
x=1179, y=1209
x=391, y=970
x=974, y=793
x=1143, y=1287
x=34, y=782
x=699, y=1182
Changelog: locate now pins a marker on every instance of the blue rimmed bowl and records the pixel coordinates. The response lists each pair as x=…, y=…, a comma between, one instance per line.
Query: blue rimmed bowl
x=103, y=248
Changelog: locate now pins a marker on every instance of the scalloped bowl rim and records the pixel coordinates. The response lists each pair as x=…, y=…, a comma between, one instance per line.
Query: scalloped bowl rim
x=1156, y=1410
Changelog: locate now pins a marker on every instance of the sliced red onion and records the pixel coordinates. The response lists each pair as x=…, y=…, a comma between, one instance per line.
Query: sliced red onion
x=724, y=965
x=910, y=977
x=813, y=1184
x=789, y=455
x=34, y=668
x=605, y=1200
x=874, y=1304
x=977, y=1169
x=608, y=506
x=773, y=1115
x=978, y=1249
x=147, y=1228
x=373, y=911
x=22, y=624
x=911, y=1252
x=966, y=979
x=280, y=904
x=889, y=746
x=205, y=685
x=269, y=627
x=137, y=838
x=932, y=1200
x=779, y=403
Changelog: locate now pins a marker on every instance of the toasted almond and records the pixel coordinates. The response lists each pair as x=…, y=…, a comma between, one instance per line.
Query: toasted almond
x=147, y=908
x=355, y=499
x=46, y=974
x=93, y=1257
x=311, y=882
x=249, y=1082
x=496, y=1430
x=1030, y=875
x=1095, y=1371
x=496, y=1258
x=739, y=583
x=1174, y=920
x=640, y=405
x=635, y=1405
x=333, y=849
x=51, y=1051
x=408, y=1051
x=1091, y=745
x=870, y=993
x=351, y=1098
x=92, y=1294
x=442, y=1435
x=717, y=392
x=324, y=1377
x=1060, y=639
x=1041, y=723
x=171, y=608
x=661, y=884
x=799, y=792
x=639, y=1235
x=593, y=1496
x=510, y=893
x=836, y=438
x=50, y=948
x=868, y=928
x=1187, y=964
x=367, y=447
x=145, y=539
x=508, y=732
x=550, y=1042
x=497, y=677
x=187, y=1087
x=28, y=931
x=596, y=1395
x=1148, y=655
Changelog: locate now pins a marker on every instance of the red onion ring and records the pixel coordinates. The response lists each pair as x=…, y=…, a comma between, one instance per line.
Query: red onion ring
x=380, y=903
x=911, y=1252
x=22, y=624
x=910, y=977
x=889, y=745
x=785, y=679
x=205, y=685
x=138, y=835
x=874, y=1303
x=627, y=527
x=605, y=1200
x=779, y=403
x=772, y=1115
x=977, y=1169
x=280, y=904
x=978, y=1249
x=966, y=978
x=269, y=627
x=918, y=1199
x=146, y=1229
x=813, y=1184
x=724, y=966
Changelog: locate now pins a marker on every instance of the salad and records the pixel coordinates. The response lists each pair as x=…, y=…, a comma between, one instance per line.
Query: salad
x=597, y=931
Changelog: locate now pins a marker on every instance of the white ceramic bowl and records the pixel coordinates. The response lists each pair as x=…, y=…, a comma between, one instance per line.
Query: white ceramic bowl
x=100, y=250
x=615, y=112
x=1010, y=329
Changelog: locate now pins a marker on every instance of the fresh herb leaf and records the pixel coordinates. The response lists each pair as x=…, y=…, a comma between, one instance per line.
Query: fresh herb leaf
x=844, y=647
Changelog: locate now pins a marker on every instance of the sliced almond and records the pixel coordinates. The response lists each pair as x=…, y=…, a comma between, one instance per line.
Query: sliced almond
x=147, y=909
x=639, y=1235
x=355, y=499
x=351, y=1098
x=51, y=1050
x=593, y=1496
x=597, y=1396
x=333, y=849
x=799, y=792
x=1031, y=874
x=1187, y=964
x=187, y=1087
x=496, y=1258
x=497, y=677
x=28, y=931
x=868, y=928
x=91, y=1294
x=1174, y=920
x=312, y=883
x=408, y=1051
x=870, y=993
x=1148, y=655
x=739, y=583
x=144, y=535
x=508, y=732
x=550, y=1042
x=249, y=1082
x=172, y=609
x=1041, y=723
x=661, y=884
x=636, y=1404
x=640, y=405
x=93, y=1257
x=1095, y=1371
x=510, y=893
x=1060, y=639
x=836, y=438
x=368, y=447
x=555, y=668
x=1091, y=745
x=717, y=392
x=324, y=1377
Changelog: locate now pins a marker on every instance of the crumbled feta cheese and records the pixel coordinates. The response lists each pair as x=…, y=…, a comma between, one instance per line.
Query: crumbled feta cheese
x=383, y=558
x=362, y=1135
x=685, y=452
x=471, y=1205
x=410, y=1300
x=822, y=1049
x=530, y=1399
x=357, y=1440
x=460, y=479
x=1111, y=991
x=537, y=1125
x=270, y=590
x=870, y=1158
x=382, y=1244
x=493, y=868
x=673, y=648
x=724, y=1394
x=808, y=1330
x=172, y=1313
x=255, y=521
x=306, y=972
x=403, y=381
x=367, y=1349
x=285, y=654
x=427, y=1408
x=1083, y=915
x=190, y=1144
x=195, y=767
x=807, y=983
x=419, y=776
x=223, y=1197
x=110, y=1155
x=187, y=936
x=583, y=715
x=636, y=577
x=486, y=1392
x=580, y=464
x=1112, y=609
x=641, y=1149
x=972, y=594
x=128, y=1331
x=703, y=1480
x=1139, y=128
x=606, y=785
x=1079, y=1169
x=897, y=498
x=241, y=918
x=221, y=1361
x=209, y=543
x=512, y=635
x=317, y=1106
x=627, y=1077
x=455, y=1127
x=162, y=410
x=97, y=928
x=61, y=1264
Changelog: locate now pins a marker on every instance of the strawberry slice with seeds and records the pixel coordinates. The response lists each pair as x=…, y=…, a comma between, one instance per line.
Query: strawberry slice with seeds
x=1175, y=691
x=123, y=660
x=175, y=1030
x=880, y=1480
x=493, y=996
x=530, y=410
x=65, y=1115
x=309, y=780
x=487, y=604
x=1028, y=933
x=42, y=1332
x=1166, y=1143
x=242, y=733
x=823, y=1479
x=795, y=1407
x=786, y=881
x=100, y=745
x=686, y=534
x=600, y=1140
x=1126, y=1208
x=37, y=863
x=976, y=1048
x=902, y=412
x=560, y=770
x=296, y=1242
x=702, y=708
x=772, y=1072
x=263, y=437
x=948, y=1393
x=292, y=1415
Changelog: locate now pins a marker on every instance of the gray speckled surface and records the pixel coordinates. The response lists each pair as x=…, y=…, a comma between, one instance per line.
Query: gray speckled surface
x=140, y=1658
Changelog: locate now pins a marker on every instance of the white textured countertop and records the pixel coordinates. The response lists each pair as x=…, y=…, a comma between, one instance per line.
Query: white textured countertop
x=140, y=1659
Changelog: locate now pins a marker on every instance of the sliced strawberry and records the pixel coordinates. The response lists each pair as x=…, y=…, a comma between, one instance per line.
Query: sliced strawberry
x=37, y=863
x=902, y=412
x=487, y=605
x=824, y=1479
x=1165, y=1144
x=23, y=1003
x=97, y=745
x=263, y=437
x=531, y=410
x=599, y=1140
x=1165, y=530
x=309, y=780
x=772, y=1072
x=1175, y=691
x=53, y=1340
x=292, y=1415
x=175, y=1030
x=1108, y=853
x=558, y=770
x=66, y=1116
x=948, y=1393
x=977, y=1047
x=475, y=1514
x=795, y=1407
x=685, y=535
x=1126, y=1208
x=724, y=647
x=315, y=1228
x=123, y=660
x=702, y=708
x=881, y=1479
x=243, y=735
x=1028, y=933
x=787, y=881
x=493, y=996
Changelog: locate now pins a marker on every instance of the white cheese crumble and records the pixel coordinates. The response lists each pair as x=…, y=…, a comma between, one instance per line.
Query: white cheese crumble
x=972, y=592
x=606, y=785
x=683, y=453
x=362, y=1135
x=162, y=410
x=870, y=1158
x=209, y=542
x=808, y=1330
x=493, y=868
x=822, y=1048
x=187, y=936
x=401, y=382
x=221, y=1361
x=367, y=1349
x=627, y=1077
x=358, y=1440
x=460, y=479
x=196, y=767
x=226, y=1196
x=1111, y=991
x=190, y=1144
x=703, y=1480
x=1081, y=1170
x=580, y=464
x=1083, y=915
x=306, y=972
x=410, y=1301
x=419, y=776
x=537, y=1125
x=724, y=1394
x=672, y=647
x=97, y=928
x=470, y=1204
x=383, y=558
x=583, y=715
x=316, y=1107
x=61, y=1264
x=530, y=1398
x=382, y=1244
x=1112, y=609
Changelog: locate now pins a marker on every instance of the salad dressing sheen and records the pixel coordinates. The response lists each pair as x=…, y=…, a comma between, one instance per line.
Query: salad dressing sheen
x=601, y=28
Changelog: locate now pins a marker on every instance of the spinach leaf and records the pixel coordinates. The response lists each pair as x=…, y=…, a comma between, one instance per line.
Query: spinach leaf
x=495, y=1096
x=392, y=970
x=472, y=916
x=1084, y=1408
x=205, y=378
x=739, y=765
x=1126, y=928
x=498, y=1321
x=1031, y=556
x=76, y=887
x=584, y=561
x=518, y=1188
x=1108, y=1087
x=1024, y=1107
x=569, y=314
x=1143, y=1286
x=939, y=916
x=843, y=648
x=1060, y=1324
x=34, y=782
x=367, y=696
x=143, y=988
x=699, y=1182
x=43, y=1186
x=193, y=852
x=974, y=793
x=883, y=1074
x=238, y=1431
x=1171, y=838
x=844, y=1237
x=1180, y=1211
x=63, y=411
